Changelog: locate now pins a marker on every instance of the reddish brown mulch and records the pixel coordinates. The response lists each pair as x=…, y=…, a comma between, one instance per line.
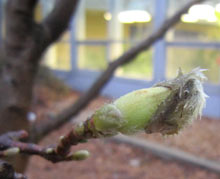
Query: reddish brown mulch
x=119, y=161
x=112, y=161
x=201, y=139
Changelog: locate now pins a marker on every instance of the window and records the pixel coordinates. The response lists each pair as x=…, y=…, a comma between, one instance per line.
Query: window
x=195, y=41
x=92, y=57
x=91, y=32
x=107, y=28
x=133, y=21
x=200, y=23
x=139, y=68
x=189, y=58
x=91, y=24
x=58, y=56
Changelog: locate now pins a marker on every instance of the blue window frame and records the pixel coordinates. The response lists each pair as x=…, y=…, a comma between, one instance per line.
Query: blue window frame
x=123, y=84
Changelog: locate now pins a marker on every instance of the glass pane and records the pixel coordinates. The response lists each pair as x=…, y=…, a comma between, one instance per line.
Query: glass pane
x=136, y=31
x=58, y=56
x=140, y=68
x=200, y=23
x=92, y=57
x=91, y=23
x=65, y=36
x=116, y=50
x=188, y=59
x=131, y=19
x=47, y=6
x=174, y=6
x=38, y=15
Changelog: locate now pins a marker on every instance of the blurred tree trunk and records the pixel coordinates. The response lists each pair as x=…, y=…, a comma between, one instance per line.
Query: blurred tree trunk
x=16, y=81
x=24, y=43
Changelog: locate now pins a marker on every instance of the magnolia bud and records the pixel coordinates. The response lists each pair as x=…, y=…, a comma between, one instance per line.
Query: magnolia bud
x=166, y=108
x=130, y=113
x=108, y=120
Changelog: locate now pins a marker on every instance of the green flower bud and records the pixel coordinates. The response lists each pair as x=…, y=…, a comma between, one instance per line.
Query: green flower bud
x=130, y=113
x=107, y=120
x=166, y=108
x=80, y=155
x=49, y=150
x=139, y=106
x=11, y=151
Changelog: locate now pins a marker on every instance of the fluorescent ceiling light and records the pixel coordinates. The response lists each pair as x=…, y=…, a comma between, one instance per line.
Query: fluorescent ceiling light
x=199, y=12
x=132, y=16
x=217, y=8
x=203, y=12
x=189, y=18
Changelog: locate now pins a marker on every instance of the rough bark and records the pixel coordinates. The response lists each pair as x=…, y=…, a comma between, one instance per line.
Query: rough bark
x=17, y=70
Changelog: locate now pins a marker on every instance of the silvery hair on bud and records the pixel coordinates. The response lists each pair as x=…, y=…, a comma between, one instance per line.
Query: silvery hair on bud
x=182, y=106
x=199, y=98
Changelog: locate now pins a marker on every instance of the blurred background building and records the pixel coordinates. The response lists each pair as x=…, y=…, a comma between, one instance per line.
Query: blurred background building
x=103, y=29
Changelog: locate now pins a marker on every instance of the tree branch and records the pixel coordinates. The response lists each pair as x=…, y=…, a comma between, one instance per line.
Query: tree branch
x=25, y=37
x=57, y=21
x=19, y=24
x=10, y=146
x=49, y=125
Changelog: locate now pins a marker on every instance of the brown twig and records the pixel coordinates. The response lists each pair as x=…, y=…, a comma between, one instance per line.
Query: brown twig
x=47, y=126
x=10, y=145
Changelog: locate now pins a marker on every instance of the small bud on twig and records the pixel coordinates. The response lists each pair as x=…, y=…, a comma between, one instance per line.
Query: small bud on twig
x=80, y=155
x=11, y=152
x=61, y=138
x=49, y=150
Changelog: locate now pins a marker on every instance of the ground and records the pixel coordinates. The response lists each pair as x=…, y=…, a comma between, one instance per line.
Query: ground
x=119, y=161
